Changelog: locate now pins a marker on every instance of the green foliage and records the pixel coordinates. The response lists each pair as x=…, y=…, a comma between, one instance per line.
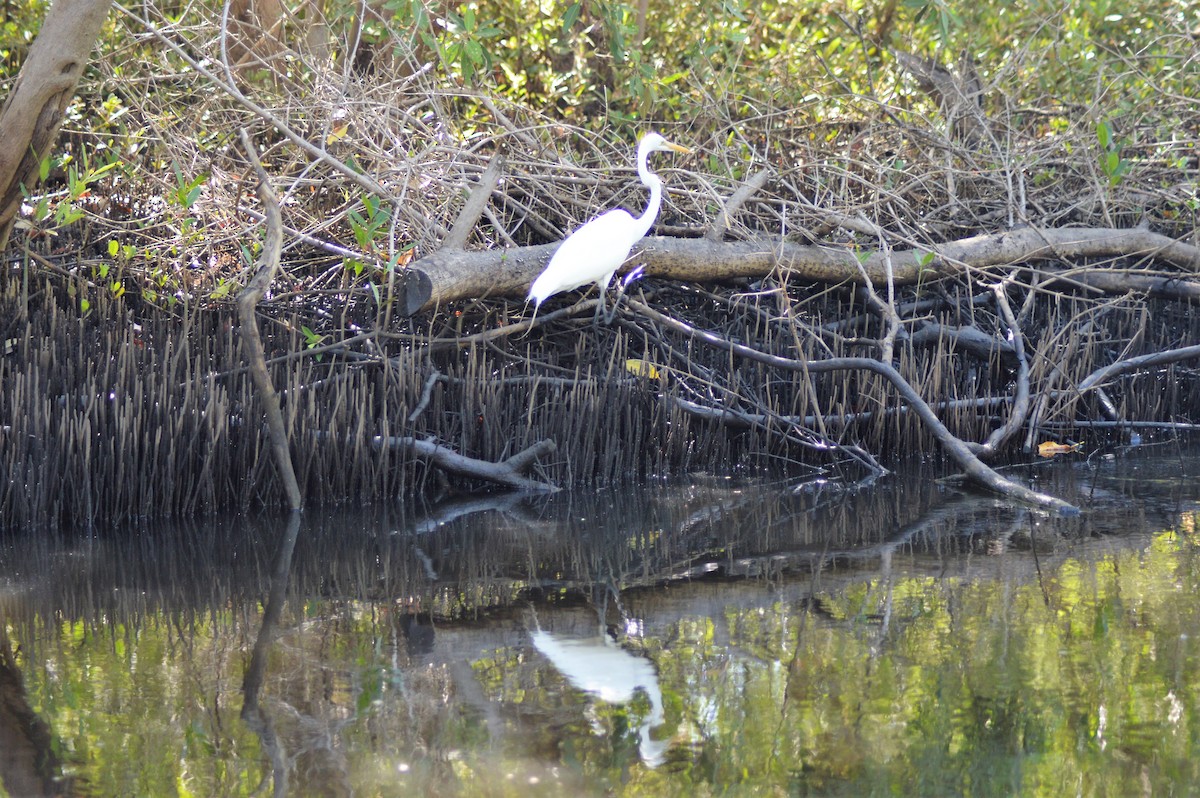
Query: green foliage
x=79, y=180
x=942, y=18
x=18, y=27
x=311, y=339
x=1112, y=164
x=587, y=62
x=223, y=289
x=369, y=225
x=460, y=39
x=186, y=191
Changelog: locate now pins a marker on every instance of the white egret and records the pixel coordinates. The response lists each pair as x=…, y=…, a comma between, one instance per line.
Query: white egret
x=594, y=252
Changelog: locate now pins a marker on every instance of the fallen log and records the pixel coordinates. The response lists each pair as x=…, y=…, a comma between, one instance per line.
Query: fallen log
x=510, y=473
x=452, y=273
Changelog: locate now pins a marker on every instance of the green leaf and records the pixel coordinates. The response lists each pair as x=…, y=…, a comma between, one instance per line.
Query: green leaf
x=67, y=214
x=571, y=16
x=222, y=290
x=1104, y=134
x=475, y=52
x=312, y=339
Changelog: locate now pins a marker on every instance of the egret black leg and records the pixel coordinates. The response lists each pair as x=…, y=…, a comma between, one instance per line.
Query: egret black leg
x=610, y=315
x=601, y=311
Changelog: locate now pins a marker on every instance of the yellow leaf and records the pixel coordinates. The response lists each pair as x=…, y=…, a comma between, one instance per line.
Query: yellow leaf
x=337, y=134
x=1050, y=448
x=642, y=368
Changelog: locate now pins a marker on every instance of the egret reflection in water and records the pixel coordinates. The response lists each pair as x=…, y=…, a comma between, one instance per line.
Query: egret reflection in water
x=601, y=668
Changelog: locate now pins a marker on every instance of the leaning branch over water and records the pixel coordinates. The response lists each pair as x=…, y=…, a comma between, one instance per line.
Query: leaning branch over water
x=247, y=302
x=958, y=449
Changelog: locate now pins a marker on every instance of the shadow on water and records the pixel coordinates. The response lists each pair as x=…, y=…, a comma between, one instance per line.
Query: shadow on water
x=815, y=637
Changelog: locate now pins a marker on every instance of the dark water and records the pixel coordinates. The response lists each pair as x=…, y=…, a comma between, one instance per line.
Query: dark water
x=699, y=638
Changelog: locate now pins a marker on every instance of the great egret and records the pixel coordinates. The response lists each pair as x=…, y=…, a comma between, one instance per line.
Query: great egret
x=594, y=252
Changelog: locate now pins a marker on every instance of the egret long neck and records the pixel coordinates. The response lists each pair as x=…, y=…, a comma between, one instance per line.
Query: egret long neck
x=644, y=222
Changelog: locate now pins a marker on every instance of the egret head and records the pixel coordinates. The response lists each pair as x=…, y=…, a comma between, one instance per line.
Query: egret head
x=653, y=142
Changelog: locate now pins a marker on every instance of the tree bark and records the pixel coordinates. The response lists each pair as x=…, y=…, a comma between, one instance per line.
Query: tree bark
x=33, y=113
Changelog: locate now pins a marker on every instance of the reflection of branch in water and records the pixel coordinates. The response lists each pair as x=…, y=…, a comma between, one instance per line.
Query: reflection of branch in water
x=452, y=509
x=28, y=763
x=951, y=514
x=252, y=714
x=509, y=503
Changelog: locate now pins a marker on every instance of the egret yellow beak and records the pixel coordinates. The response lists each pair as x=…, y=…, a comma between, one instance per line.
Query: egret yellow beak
x=679, y=148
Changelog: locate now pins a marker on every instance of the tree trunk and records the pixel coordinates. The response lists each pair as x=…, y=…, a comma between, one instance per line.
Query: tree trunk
x=34, y=111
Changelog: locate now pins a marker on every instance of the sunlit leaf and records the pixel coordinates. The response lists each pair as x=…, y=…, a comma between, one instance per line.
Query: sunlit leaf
x=642, y=368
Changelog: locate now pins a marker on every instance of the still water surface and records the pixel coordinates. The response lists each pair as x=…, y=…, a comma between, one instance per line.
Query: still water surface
x=714, y=637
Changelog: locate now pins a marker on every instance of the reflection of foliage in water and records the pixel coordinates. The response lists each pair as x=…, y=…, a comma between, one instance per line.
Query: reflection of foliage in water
x=1081, y=682
x=973, y=687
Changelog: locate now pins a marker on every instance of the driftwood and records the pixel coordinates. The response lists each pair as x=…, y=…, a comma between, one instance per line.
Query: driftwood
x=452, y=274
x=510, y=473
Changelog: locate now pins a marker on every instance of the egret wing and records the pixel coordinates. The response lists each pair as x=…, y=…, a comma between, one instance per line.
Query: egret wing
x=589, y=255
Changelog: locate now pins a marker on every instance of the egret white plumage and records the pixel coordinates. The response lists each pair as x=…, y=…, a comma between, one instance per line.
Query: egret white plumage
x=594, y=252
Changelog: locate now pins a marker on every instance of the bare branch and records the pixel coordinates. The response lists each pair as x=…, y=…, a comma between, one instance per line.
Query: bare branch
x=748, y=189
x=1020, y=405
x=960, y=451
x=508, y=473
x=475, y=205
x=1100, y=376
x=247, y=302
